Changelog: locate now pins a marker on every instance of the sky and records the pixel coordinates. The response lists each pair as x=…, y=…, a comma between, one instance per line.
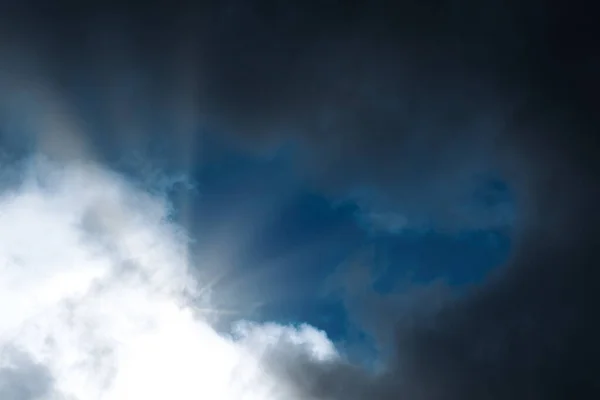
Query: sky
x=271, y=200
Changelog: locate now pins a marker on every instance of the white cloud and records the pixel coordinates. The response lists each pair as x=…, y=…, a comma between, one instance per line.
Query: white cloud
x=93, y=286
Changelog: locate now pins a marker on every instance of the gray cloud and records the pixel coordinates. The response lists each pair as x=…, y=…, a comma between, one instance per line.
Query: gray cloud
x=21, y=378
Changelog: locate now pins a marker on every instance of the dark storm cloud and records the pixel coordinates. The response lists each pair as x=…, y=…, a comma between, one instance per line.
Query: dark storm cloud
x=380, y=93
x=416, y=98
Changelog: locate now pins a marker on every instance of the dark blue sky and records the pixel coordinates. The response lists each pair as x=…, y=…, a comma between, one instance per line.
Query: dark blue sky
x=272, y=234
x=268, y=232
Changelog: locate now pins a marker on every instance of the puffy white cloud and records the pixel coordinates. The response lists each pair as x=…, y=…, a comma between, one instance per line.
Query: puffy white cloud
x=94, y=301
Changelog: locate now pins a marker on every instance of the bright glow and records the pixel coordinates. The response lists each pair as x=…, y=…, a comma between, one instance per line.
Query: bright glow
x=93, y=287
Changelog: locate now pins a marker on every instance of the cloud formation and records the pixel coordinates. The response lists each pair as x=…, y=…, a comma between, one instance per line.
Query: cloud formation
x=416, y=98
x=95, y=292
x=21, y=378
